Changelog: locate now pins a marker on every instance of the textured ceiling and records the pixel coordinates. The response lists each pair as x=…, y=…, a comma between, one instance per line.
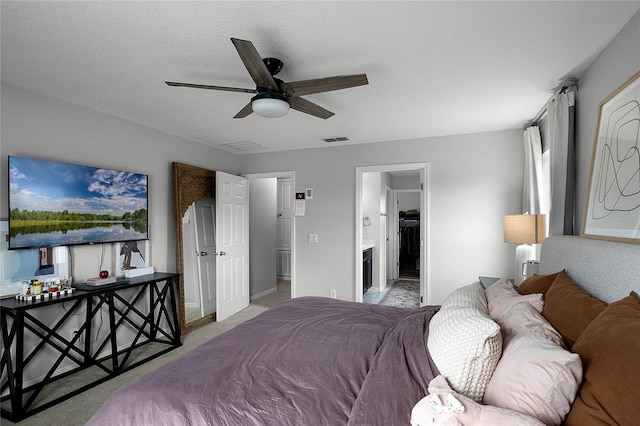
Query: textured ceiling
x=434, y=68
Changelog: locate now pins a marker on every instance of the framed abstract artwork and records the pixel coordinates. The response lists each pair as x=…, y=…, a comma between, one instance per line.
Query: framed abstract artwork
x=612, y=211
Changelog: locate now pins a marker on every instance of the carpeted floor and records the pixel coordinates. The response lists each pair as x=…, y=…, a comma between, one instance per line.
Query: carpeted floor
x=403, y=293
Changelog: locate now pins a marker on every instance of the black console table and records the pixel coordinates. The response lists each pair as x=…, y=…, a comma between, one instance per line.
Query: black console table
x=143, y=310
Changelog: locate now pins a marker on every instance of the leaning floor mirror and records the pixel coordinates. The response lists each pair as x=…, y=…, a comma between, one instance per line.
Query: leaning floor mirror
x=193, y=190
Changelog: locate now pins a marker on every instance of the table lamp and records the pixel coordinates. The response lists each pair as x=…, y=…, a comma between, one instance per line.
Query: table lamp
x=524, y=229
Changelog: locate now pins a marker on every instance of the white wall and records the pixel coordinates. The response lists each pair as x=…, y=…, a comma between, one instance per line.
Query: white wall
x=39, y=126
x=371, y=205
x=475, y=180
x=372, y=188
x=406, y=182
x=617, y=63
x=384, y=253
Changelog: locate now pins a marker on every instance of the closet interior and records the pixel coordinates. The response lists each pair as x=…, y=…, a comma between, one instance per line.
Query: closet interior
x=409, y=234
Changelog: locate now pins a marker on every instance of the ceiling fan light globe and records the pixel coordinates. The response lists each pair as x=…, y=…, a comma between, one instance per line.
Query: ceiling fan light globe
x=269, y=106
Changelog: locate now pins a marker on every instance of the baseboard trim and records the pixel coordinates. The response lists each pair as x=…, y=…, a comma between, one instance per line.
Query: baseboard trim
x=264, y=293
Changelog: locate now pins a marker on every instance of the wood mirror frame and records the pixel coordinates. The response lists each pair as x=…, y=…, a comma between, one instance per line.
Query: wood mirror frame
x=190, y=183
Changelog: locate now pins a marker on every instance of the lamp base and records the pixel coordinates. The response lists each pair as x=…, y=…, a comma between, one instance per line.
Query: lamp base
x=531, y=267
x=524, y=253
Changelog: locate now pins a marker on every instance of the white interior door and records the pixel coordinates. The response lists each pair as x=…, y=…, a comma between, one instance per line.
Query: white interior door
x=205, y=216
x=232, y=243
x=283, y=244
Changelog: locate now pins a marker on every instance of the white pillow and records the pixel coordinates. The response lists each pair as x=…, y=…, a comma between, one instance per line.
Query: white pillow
x=426, y=413
x=535, y=376
x=524, y=318
x=501, y=296
x=500, y=289
x=464, y=342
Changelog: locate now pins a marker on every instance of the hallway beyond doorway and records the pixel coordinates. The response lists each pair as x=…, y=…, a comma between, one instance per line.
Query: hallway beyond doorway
x=402, y=293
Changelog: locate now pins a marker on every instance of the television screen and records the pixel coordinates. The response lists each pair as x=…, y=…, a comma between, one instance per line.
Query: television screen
x=59, y=204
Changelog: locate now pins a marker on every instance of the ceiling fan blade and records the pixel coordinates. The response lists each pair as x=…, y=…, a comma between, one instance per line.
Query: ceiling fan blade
x=204, y=86
x=308, y=107
x=253, y=62
x=327, y=84
x=247, y=110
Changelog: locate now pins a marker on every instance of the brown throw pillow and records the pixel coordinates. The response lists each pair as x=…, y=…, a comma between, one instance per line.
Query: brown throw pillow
x=610, y=351
x=537, y=284
x=569, y=308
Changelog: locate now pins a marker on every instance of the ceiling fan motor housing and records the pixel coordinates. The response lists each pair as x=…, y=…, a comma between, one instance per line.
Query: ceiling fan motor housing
x=270, y=94
x=274, y=65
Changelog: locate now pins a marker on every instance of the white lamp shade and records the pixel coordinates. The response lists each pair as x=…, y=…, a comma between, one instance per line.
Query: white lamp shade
x=269, y=107
x=524, y=228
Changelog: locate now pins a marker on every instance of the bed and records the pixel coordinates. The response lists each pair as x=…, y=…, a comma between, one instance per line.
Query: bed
x=320, y=361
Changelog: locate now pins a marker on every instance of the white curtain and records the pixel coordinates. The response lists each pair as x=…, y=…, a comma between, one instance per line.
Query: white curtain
x=531, y=195
x=533, y=181
x=560, y=113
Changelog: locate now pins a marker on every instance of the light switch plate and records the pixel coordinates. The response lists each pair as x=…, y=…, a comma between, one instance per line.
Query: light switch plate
x=313, y=238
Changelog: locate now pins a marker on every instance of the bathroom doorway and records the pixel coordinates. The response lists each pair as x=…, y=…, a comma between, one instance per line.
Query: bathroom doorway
x=378, y=227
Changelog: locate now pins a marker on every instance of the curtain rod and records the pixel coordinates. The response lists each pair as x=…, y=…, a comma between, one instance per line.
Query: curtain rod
x=562, y=88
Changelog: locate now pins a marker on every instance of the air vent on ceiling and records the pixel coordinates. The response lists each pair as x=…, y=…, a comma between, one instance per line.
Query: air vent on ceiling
x=245, y=145
x=338, y=139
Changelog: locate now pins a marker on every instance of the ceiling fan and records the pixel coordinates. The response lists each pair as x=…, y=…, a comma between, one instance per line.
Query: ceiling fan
x=273, y=96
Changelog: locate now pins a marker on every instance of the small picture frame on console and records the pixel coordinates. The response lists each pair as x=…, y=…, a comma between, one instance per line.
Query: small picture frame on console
x=131, y=255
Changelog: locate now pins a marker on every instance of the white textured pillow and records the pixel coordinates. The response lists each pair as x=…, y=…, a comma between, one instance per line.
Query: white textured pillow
x=469, y=296
x=535, y=376
x=464, y=342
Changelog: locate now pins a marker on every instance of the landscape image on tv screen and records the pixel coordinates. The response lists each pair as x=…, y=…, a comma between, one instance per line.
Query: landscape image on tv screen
x=58, y=204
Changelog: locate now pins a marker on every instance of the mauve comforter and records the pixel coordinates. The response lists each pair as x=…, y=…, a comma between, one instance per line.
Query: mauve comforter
x=308, y=361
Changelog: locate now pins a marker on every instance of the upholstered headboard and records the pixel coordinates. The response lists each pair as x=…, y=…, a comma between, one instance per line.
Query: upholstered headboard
x=608, y=270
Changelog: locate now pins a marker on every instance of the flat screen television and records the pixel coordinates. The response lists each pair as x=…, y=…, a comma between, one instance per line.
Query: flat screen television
x=59, y=204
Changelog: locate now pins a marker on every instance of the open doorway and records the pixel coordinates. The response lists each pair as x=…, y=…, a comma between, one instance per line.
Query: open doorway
x=272, y=260
x=378, y=229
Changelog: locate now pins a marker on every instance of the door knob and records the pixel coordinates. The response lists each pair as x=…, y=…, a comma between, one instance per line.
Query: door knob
x=222, y=253
x=203, y=253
